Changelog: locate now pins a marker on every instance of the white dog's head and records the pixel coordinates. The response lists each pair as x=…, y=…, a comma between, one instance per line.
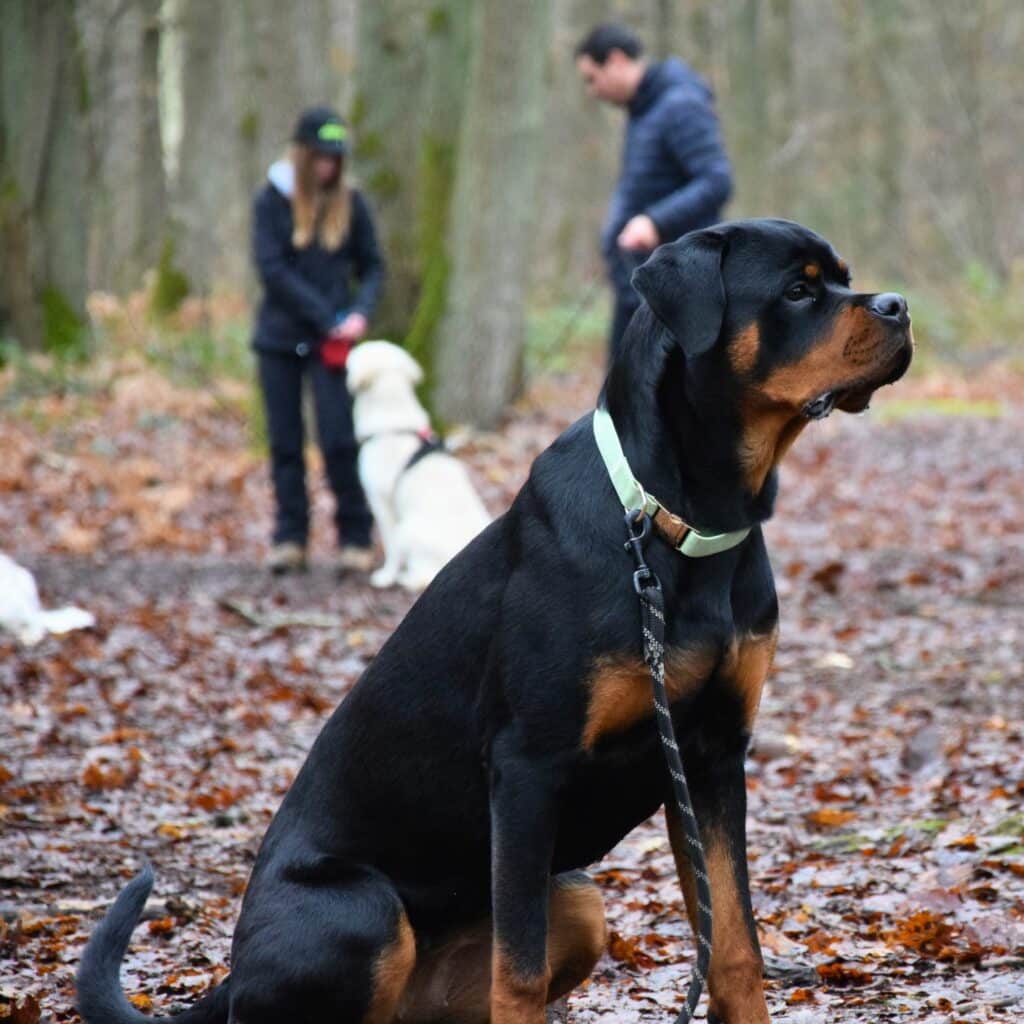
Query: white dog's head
x=376, y=360
x=382, y=378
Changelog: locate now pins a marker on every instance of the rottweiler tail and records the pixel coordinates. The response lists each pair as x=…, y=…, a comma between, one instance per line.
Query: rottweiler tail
x=98, y=984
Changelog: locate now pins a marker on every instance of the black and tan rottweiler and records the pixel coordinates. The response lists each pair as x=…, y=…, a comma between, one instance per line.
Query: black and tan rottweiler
x=426, y=864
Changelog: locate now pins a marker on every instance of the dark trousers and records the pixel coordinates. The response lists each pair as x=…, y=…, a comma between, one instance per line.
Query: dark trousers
x=281, y=382
x=626, y=302
x=625, y=305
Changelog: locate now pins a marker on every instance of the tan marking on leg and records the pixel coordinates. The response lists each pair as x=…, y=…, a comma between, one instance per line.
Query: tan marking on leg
x=743, y=349
x=577, y=935
x=391, y=974
x=680, y=854
x=620, y=689
x=734, y=979
x=515, y=998
x=452, y=978
x=746, y=667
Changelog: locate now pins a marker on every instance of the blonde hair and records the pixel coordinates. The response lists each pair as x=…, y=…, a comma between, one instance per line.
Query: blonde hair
x=317, y=212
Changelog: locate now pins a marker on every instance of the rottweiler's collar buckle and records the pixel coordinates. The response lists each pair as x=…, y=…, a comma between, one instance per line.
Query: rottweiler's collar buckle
x=682, y=537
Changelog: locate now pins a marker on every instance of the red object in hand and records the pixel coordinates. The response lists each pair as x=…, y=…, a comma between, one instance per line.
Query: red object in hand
x=334, y=352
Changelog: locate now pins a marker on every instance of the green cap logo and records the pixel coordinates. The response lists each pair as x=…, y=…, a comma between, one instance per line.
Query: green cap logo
x=332, y=132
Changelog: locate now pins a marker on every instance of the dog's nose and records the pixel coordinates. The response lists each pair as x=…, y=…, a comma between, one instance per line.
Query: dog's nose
x=889, y=305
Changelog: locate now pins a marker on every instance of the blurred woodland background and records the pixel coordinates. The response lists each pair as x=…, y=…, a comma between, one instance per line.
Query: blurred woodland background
x=133, y=134
x=886, y=783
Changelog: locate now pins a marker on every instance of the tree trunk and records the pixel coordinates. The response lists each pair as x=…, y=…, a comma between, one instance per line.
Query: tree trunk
x=747, y=124
x=43, y=213
x=247, y=70
x=701, y=41
x=481, y=353
x=962, y=34
x=888, y=156
x=122, y=42
x=665, y=20
x=583, y=137
x=386, y=113
x=782, y=127
x=206, y=197
x=411, y=76
x=444, y=91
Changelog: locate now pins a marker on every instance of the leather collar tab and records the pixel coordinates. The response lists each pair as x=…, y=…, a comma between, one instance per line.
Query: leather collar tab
x=679, y=534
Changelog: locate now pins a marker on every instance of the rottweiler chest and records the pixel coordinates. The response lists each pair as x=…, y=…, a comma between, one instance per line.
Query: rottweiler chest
x=620, y=780
x=619, y=686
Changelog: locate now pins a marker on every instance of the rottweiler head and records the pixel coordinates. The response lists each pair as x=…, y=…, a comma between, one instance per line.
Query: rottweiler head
x=764, y=315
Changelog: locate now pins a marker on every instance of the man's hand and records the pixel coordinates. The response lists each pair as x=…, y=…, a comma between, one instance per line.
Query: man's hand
x=639, y=235
x=352, y=328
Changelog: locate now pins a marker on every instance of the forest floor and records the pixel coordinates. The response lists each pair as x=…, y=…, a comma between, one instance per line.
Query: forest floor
x=885, y=784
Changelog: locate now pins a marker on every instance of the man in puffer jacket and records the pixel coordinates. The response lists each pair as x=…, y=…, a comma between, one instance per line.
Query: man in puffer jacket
x=675, y=175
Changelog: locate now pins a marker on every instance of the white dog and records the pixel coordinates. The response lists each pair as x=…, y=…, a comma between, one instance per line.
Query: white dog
x=21, y=612
x=420, y=495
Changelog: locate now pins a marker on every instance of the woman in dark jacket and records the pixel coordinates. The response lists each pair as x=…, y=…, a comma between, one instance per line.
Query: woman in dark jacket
x=316, y=252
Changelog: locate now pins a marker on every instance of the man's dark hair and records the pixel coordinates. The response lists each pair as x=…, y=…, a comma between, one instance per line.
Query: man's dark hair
x=612, y=35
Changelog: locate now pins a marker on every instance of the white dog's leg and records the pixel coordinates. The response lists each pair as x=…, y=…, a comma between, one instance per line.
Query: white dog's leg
x=419, y=566
x=378, y=487
x=387, y=574
x=416, y=580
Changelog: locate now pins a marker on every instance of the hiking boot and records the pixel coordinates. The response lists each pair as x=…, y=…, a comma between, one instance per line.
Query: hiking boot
x=288, y=556
x=356, y=558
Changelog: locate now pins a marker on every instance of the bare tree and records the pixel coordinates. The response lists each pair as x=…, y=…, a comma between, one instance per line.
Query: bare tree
x=748, y=113
x=444, y=98
x=582, y=138
x=411, y=69
x=43, y=214
x=386, y=113
x=962, y=35
x=892, y=127
x=481, y=349
x=122, y=42
x=246, y=72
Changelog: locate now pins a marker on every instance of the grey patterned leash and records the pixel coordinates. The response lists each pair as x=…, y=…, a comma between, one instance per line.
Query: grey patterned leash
x=652, y=618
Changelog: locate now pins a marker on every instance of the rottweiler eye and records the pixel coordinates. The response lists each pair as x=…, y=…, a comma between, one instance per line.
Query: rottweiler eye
x=799, y=291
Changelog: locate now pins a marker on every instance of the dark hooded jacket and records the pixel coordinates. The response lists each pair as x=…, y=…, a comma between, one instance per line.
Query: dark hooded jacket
x=305, y=291
x=674, y=166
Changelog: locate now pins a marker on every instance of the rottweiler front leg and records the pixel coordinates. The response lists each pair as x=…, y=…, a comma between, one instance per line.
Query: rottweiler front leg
x=718, y=787
x=523, y=826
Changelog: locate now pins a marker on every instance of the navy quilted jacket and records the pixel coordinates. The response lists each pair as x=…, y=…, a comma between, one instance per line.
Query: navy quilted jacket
x=305, y=291
x=674, y=166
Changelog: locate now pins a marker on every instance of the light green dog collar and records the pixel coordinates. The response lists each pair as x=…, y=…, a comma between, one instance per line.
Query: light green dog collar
x=632, y=495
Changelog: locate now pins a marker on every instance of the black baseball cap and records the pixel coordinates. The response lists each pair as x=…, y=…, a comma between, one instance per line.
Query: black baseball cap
x=322, y=129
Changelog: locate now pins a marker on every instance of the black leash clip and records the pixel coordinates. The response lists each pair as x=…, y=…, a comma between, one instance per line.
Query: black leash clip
x=638, y=530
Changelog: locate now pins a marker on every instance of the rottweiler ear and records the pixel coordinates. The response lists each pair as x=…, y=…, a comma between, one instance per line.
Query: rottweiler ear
x=682, y=283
